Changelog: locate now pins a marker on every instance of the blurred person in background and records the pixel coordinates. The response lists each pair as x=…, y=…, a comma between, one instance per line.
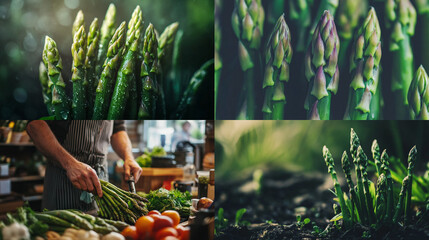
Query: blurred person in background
x=76, y=153
x=182, y=135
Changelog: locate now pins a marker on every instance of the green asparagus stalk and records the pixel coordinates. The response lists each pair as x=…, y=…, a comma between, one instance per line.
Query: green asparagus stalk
x=401, y=21
x=381, y=198
x=375, y=149
x=364, y=68
x=46, y=91
x=386, y=171
x=248, y=25
x=91, y=79
x=400, y=206
x=418, y=95
x=53, y=63
x=330, y=164
x=422, y=7
x=107, y=79
x=362, y=161
x=324, y=5
x=126, y=74
x=78, y=50
x=278, y=57
x=106, y=33
x=346, y=165
x=411, y=163
x=149, y=71
x=321, y=68
x=300, y=15
x=166, y=46
x=78, y=22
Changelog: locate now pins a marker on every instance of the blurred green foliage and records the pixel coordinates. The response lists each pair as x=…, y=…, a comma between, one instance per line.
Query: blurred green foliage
x=243, y=146
x=25, y=23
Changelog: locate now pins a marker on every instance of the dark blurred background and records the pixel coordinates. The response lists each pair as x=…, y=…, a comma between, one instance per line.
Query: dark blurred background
x=243, y=146
x=25, y=23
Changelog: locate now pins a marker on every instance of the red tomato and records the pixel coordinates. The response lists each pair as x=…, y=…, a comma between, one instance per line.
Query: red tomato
x=165, y=232
x=130, y=233
x=173, y=215
x=161, y=222
x=144, y=226
x=154, y=212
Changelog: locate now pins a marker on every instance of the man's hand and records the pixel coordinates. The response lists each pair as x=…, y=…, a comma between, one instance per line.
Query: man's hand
x=84, y=177
x=132, y=167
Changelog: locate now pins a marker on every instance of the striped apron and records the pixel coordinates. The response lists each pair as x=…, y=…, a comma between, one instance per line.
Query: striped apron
x=88, y=141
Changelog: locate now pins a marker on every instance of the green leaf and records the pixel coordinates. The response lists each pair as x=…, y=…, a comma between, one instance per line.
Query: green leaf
x=306, y=221
x=238, y=215
x=337, y=217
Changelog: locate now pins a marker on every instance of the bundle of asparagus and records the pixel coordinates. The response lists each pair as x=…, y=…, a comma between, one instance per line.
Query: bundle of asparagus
x=116, y=74
x=120, y=205
x=367, y=205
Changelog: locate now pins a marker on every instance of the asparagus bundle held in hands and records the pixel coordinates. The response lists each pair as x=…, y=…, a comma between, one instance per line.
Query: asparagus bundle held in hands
x=321, y=68
x=117, y=204
x=248, y=25
x=364, y=102
x=401, y=20
x=53, y=63
x=106, y=33
x=78, y=50
x=107, y=80
x=418, y=95
x=278, y=57
x=126, y=74
x=148, y=75
x=91, y=79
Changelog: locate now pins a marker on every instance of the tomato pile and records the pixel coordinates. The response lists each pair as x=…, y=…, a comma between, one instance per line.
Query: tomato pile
x=157, y=226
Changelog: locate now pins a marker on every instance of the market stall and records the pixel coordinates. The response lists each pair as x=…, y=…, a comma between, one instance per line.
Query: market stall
x=171, y=199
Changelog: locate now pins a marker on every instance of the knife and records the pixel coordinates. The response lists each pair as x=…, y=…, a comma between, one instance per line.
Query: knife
x=132, y=184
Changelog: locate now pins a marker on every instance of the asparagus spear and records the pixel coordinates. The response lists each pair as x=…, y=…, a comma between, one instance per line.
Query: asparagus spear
x=248, y=25
x=330, y=164
x=78, y=50
x=78, y=22
x=385, y=167
x=364, y=68
x=91, y=79
x=321, y=68
x=401, y=21
x=166, y=45
x=362, y=161
x=46, y=91
x=422, y=7
x=412, y=155
x=148, y=75
x=400, y=206
x=345, y=162
x=106, y=33
x=53, y=63
x=418, y=95
x=126, y=74
x=324, y=5
x=278, y=57
x=107, y=79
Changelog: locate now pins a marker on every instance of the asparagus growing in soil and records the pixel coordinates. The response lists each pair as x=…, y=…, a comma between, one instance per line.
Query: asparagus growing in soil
x=363, y=102
x=126, y=74
x=149, y=70
x=78, y=50
x=53, y=63
x=46, y=91
x=278, y=57
x=106, y=33
x=321, y=68
x=91, y=78
x=330, y=164
x=248, y=25
x=401, y=21
x=107, y=79
x=418, y=95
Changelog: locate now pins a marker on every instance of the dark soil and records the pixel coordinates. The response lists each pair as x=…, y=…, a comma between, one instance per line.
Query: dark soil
x=283, y=195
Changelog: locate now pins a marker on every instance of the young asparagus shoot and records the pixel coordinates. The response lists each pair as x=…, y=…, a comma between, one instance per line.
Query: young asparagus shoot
x=362, y=161
x=321, y=68
x=278, y=58
x=411, y=163
x=418, y=95
x=375, y=149
x=386, y=171
x=330, y=164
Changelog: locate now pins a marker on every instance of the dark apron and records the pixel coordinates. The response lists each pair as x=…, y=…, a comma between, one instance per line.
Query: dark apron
x=88, y=141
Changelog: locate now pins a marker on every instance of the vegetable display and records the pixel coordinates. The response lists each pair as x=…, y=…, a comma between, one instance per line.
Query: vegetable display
x=162, y=199
x=118, y=72
x=367, y=204
x=117, y=204
x=145, y=160
x=347, y=76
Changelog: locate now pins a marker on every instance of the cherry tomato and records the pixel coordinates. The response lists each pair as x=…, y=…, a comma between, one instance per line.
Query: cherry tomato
x=161, y=222
x=154, y=212
x=173, y=215
x=144, y=226
x=130, y=233
x=165, y=232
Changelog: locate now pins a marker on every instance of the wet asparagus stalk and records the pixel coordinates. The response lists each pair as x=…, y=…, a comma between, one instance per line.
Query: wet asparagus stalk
x=91, y=79
x=78, y=50
x=46, y=91
x=106, y=33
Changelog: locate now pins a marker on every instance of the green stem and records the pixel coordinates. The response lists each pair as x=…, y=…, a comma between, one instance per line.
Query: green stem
x=250, y=98
x=324, y=107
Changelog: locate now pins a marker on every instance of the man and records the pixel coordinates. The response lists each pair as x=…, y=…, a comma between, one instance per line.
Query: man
x=179, y=136
x=76, y=152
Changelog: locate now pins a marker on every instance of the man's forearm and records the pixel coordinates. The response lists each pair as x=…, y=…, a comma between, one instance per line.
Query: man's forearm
x=47, y=143
x=122, y=145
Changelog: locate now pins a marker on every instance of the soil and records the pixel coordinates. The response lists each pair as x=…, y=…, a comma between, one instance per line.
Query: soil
x=271, y=213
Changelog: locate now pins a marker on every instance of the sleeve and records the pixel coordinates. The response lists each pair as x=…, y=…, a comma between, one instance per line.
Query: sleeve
x=119, y=125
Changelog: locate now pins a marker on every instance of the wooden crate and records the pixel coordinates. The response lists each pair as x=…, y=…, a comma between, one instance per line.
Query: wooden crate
x=153, y=178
